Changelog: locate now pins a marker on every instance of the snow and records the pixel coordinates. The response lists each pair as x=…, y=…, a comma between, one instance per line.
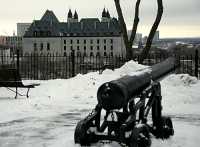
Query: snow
x=48, y=117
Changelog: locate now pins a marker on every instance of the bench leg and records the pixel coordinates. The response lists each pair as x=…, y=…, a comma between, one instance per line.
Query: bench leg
x=27, y=93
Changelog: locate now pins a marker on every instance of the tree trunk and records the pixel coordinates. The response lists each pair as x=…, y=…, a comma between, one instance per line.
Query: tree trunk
x=129, y=54
x=152, y=32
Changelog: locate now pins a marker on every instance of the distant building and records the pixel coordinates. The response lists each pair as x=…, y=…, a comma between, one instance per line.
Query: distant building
x=11, y=42
x=5, y=57
x=14, y=42
x=2, y=40
x=22, y=28
x=156, y=36
x=138, y=38
x=89, y=36
x=144, y=39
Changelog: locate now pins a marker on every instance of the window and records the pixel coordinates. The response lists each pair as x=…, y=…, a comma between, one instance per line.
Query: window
x=91, y=47
x=35, y=46
x=78, y=54
x=97, y=41
x=77, y=41
x=71, y=47
x=84, y=48
x=111, y=41
x=65, y=54
x=98, y=54
x=41, y=46
x=48, y=33
x=48, y=46
x=104, y=54
x=64, y=41
x=97, y=47
x=65, y=48
x=41, y=33
x=111, y=54
x=71, y=41
x=78, y=48
x=84, y=54
x=104, y=47
x=104, y=40
x=111, y=47
x=84, y=41
x=35, y=33
x=91, y=41
x=91, y=54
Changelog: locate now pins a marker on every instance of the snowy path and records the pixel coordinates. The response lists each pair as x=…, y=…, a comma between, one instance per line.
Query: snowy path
x=34, y=131
x=58, y=131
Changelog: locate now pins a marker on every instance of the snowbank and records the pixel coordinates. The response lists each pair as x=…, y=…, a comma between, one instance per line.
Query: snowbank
x=180, y=94
x=74, y=98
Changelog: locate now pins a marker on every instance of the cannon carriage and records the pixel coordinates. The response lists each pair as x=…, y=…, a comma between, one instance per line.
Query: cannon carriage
x=127, y=103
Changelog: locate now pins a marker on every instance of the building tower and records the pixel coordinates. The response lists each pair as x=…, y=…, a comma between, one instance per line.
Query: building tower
x=69, y=16
x=75, y=17
x=108, y=14
x=104, y=16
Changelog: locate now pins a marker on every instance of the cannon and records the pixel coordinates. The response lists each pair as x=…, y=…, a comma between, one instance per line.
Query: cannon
x=122, y=111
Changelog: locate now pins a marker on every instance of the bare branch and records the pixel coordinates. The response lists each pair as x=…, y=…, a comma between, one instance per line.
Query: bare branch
x=152, y=32
x=136, y=21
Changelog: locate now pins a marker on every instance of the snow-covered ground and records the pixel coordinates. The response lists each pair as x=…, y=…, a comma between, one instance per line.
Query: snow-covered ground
x=49, y=116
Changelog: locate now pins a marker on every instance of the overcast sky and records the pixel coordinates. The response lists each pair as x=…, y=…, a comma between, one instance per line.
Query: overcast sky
x=181, y=18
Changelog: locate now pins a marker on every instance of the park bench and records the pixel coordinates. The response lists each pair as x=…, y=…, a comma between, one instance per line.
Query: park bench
x=10, y=78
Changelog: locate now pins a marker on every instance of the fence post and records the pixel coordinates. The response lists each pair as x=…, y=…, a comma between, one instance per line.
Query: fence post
x=73, y=63
x=18, y=59
x=196, y=63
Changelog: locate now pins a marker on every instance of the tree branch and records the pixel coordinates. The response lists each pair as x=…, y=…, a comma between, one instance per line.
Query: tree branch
x=152, y=32
x=136, y=21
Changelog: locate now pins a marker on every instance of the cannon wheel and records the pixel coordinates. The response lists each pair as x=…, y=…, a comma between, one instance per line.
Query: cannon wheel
x=166, y=130
x=80, y=136
x=140, y=137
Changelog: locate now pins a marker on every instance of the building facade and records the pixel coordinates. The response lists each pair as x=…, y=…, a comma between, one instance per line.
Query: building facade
x=89, y=36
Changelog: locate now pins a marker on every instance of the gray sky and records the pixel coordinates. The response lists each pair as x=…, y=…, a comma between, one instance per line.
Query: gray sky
x=180, y=18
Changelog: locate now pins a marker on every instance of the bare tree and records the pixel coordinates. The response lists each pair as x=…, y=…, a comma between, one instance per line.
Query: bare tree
x=129, y=42
x=147, y=47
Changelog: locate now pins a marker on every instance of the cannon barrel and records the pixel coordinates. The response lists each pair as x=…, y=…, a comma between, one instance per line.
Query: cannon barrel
x=115, y=94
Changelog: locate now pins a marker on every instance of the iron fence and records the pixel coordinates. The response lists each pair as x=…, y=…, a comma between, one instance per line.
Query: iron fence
x=54, y=66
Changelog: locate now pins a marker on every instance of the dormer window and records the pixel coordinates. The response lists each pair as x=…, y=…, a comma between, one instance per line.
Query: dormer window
x=35, y=33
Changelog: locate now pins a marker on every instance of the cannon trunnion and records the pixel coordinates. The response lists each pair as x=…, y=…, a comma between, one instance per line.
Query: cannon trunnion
x=127, y=102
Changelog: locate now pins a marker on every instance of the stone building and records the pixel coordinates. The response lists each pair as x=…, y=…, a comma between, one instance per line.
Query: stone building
x=87, y=36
